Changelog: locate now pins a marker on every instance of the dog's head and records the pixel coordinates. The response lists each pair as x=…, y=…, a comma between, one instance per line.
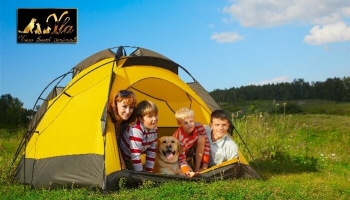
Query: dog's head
x=168, y=148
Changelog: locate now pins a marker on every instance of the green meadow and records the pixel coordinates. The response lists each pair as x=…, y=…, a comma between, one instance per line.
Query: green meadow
x=301, y=149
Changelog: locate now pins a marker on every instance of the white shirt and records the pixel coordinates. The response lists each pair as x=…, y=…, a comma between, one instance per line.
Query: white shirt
x=221, y=150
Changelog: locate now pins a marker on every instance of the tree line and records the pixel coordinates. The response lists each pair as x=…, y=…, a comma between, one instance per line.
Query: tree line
x=333, y=89
x=12, y=113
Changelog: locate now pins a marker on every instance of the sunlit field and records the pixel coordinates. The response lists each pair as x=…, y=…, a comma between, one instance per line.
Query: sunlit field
x=299, y=156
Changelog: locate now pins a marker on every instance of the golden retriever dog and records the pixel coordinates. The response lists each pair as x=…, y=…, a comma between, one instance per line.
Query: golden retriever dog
x=167, y=156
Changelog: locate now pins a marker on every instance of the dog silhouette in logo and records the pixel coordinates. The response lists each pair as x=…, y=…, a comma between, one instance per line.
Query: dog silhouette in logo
x=29, y=27
x=38, y=29
x=47, y=30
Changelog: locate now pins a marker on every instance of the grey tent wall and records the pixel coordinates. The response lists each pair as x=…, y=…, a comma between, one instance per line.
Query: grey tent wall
x=104, y=54
x=198, y=88
x=70, y=171
x=142, y=56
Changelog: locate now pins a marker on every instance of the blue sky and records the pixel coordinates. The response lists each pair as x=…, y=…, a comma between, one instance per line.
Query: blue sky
x=223, y=44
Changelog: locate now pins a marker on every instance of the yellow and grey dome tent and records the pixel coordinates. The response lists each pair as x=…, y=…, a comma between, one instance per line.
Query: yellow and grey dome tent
x=71, y=140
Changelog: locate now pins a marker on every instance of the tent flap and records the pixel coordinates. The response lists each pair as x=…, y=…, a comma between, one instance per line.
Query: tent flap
x=232, y=171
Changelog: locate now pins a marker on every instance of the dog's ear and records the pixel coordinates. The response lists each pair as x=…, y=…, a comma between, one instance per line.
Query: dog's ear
x=157, y=145
x=159, y=142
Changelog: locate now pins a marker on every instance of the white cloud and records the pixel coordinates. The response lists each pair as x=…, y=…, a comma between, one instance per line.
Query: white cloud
x=328, y=17
x=281, y=79
x=338, y=32
x=226, y=37
x=267, y=13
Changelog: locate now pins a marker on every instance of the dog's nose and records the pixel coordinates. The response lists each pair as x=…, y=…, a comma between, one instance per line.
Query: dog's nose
x=168, y=146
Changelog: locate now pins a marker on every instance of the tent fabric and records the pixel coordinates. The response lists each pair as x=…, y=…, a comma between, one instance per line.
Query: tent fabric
x=199, y=89
x=40, y=112
x=38, y=115
x=143, y=56
x=231, y=171
x=146, y=52
x=78, y=170
x=104, y=54
x=70, y=128
x=74, y=142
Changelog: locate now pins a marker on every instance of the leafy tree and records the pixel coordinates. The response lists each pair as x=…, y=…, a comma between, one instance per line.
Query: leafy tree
x=12, y=113
x=346, y=82
x=335, y=89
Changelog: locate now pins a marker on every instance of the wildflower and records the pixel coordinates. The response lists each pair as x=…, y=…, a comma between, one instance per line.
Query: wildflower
x=240, y=111
x=233, y=116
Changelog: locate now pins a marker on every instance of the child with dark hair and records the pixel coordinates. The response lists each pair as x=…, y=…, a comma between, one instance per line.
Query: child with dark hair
x=222, y=147
x=140, y=139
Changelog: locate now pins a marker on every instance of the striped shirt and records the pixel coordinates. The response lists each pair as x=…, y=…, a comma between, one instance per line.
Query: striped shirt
x=187, y=141
x=135, y=141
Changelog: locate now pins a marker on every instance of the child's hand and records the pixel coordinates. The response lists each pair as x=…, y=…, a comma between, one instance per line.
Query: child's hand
x=202, y=169
x=191, y=174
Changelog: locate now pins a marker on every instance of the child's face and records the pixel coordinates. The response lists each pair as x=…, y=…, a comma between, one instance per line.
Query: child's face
x=219, y=128
x=150, y=121
x=187, y=124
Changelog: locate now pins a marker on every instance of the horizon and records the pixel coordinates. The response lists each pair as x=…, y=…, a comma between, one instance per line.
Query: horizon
x=311, y=83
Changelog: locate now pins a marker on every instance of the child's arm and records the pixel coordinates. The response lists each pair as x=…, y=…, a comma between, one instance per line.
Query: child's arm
x=182, y=157
x=206, y=153
x=184, y=166
x=135, y=136
x=151, y=153
x=206, y=156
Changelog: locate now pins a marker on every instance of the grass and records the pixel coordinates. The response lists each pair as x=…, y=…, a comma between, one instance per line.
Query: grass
x=300, y=156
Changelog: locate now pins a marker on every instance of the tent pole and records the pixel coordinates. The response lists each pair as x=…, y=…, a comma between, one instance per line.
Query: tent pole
x=24, y=165
x=250, y=154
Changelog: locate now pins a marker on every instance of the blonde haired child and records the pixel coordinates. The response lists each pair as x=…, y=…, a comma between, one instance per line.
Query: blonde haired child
x=194, y=142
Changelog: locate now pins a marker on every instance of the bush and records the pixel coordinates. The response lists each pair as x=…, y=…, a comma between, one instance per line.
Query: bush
x=288, y=108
